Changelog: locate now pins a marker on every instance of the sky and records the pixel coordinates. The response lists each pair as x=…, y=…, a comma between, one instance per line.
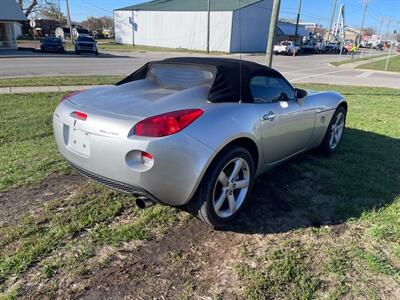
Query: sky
x=315, y=11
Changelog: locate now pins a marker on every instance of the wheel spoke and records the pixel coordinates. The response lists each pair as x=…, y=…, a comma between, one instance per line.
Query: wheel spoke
x=221, y=199
x=332, y=139
x=223, y=179
x=236, y=169
x=338, y=119
x=232, y=203
x=244, y=183
x=337, y=137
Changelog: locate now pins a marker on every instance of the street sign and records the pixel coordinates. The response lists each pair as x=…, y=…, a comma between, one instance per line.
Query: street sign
x=32, y=23
x=59, y=33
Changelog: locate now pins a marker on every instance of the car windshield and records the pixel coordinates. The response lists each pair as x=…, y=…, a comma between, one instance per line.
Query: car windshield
x=85, y=39
x=180, y=77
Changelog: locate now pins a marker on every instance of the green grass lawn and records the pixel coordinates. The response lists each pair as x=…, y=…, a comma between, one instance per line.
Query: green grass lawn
x=393, y=66
x=355, y=256
x=27, y=150
x=357, y=59
x=59, y=80
x=110, y=46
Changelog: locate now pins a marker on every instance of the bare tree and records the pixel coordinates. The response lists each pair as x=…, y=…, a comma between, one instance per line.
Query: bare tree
x=33, y=6
x=369, y=31
x=50, y=12
x=97, y=24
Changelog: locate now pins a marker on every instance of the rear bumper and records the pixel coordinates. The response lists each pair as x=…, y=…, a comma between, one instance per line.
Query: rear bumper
x=86, y=49
x=115, y=185
x=53, y=49
x=179, y=160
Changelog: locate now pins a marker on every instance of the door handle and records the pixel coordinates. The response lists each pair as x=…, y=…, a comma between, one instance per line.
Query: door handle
x=269, y=116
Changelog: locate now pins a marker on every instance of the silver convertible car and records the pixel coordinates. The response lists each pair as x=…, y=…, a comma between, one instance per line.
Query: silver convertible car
x=194, y=132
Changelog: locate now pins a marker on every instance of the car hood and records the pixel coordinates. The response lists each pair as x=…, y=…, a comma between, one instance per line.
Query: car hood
x=140, y=99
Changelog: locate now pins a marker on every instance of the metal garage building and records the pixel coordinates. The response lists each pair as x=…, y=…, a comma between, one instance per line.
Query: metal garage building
x=183, y=24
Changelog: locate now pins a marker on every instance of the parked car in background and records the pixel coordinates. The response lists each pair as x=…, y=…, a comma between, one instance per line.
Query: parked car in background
x=286, y=47
x=332, y=48
x=52, y=44
x=378, y=47
x=86, y=44
x=194, y=132
x=347, y=48
x=312, y=46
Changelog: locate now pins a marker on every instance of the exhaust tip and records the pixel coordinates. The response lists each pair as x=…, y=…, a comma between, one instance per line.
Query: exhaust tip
x=143, y=203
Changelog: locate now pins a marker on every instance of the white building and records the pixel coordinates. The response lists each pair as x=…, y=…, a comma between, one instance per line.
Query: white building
x=312, y=27
x=235, y=26
x=10, y=15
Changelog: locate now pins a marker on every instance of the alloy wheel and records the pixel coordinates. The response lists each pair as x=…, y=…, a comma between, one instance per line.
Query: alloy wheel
x=231, y=187
x=336, y=130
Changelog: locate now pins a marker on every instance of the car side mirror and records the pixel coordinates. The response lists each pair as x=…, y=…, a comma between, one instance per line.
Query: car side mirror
x=300, y=93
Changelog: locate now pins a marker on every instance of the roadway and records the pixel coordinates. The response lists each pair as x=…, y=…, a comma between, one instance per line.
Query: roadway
x=305, y=68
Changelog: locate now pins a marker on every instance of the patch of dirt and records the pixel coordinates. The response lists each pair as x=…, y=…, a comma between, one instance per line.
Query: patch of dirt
x=192, y=260
x=16, y=201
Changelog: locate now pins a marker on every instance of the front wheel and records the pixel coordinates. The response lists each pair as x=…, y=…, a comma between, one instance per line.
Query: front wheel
x=225, y=187
x=334, y=132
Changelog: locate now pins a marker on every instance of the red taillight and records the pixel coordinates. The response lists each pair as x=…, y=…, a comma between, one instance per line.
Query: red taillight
x=168, y=123
x=79, y=115
x=71, y=95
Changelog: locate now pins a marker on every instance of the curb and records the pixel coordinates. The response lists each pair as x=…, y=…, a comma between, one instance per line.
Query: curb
x=379, y=71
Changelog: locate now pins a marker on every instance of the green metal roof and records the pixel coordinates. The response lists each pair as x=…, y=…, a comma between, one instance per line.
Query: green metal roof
x=190, y=5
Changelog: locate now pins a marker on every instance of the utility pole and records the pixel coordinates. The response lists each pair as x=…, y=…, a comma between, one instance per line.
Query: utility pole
x=380, y=27
x=331, y=21
x=69, y=23
x=387, y=28
x=208, y=24
x=271, y=33
x=391, y=45
x=59, y=12
x=363, y=19
x=297, y=22
x=133, y=28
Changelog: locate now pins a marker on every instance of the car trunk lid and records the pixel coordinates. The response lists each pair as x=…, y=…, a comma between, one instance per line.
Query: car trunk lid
x=139, y=99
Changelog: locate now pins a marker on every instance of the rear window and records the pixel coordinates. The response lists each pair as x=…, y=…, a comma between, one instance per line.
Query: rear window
x=85, y=39
x=180, y=77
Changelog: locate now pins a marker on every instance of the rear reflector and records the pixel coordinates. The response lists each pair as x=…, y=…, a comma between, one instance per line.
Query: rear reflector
x=79, y=115
x=147, y=159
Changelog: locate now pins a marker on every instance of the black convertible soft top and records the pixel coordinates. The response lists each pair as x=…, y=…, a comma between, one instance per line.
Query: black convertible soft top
x=232, y=79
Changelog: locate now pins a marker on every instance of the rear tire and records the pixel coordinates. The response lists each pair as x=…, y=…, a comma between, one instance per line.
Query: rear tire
x=334, y=133
x=225, y=188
